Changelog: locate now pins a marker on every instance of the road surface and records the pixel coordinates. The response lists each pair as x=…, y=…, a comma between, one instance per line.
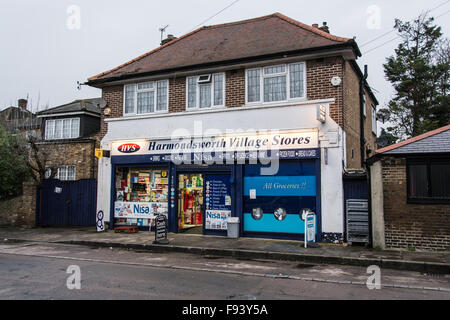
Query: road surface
x=39, y=271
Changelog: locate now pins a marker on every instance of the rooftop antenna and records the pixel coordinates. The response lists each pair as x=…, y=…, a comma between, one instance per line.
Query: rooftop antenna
x=79, y=84
x=162, y=30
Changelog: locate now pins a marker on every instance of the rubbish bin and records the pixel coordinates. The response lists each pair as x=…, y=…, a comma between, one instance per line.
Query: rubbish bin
x=233, y=228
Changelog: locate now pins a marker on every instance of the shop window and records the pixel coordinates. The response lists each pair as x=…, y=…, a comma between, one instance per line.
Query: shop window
x=276, y=83
x=429, y=181
x=205, y=91
x=146, y=98
x=141, y=195
x=62, y=129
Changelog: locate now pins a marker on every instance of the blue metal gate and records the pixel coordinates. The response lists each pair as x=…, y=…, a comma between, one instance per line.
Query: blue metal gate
x=66, y=203
x=355, y=188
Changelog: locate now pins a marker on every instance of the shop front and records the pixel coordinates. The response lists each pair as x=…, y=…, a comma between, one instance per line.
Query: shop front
x=267, y=178
x=203, y=182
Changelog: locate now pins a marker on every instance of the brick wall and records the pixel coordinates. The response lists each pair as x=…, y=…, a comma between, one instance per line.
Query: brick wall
x=352, y=117
x=318, y=80
x=20, y=211
x=177, y=95
x=79, y=154
x=424, y=227
x=114, y=96
x=371, y=138
x=235, y=88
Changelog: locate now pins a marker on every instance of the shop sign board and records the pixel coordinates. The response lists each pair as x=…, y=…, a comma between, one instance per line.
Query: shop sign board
x=240, y=144
x=161, y=229
x=310, y=228
x=140, y=210
x=217, y=219
x=100, y=222
x=218, y=202
x=98, y=153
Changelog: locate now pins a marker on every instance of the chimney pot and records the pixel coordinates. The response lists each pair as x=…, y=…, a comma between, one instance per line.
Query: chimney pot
x=22, y=103
x=325, y=28
x=169, y=38
x=315, y=25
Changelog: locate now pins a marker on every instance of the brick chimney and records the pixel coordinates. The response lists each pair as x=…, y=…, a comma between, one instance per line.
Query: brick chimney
x=325, y=28
x=169, y=38
x=22, y=103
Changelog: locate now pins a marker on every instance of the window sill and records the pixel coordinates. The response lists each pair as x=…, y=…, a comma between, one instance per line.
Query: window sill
x=276, y=103
x=134, y=115
x=205, y=109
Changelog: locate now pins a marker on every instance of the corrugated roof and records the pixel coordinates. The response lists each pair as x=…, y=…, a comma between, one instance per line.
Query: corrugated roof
x=262, y=36
x=437, y=141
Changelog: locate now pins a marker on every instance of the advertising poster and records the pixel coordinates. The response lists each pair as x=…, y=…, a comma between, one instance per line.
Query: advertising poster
x=218, y=202
x=140, y=210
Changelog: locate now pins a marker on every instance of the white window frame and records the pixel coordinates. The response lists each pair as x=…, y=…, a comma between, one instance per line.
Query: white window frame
x=52, y=136
x=64, y=170
x=197, y=98
x=263, y=76
x=364, y=105
x=374, y=120
x=154, y=89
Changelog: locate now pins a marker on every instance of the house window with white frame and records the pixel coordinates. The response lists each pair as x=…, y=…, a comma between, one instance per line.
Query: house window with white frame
x=64, y=173
x=205, y=91
x=276, y=83
x=61, y=129
x=146, y=98
x=374, y=119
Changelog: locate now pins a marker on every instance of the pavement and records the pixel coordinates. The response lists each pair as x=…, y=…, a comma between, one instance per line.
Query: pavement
x=243, y=248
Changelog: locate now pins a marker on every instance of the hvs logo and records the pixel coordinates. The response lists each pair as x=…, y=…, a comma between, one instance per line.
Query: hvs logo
x=129, y=148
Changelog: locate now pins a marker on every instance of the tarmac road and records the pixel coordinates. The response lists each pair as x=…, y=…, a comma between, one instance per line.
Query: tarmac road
x=39, y=271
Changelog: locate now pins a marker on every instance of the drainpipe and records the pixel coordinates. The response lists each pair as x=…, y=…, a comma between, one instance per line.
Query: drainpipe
x=361, y=99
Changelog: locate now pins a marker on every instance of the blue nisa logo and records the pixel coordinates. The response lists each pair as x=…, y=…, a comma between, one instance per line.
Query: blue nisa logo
x=141, y=210
x=217, y=216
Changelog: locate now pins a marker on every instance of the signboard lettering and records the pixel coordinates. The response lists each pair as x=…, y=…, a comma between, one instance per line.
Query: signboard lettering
x=161, y=230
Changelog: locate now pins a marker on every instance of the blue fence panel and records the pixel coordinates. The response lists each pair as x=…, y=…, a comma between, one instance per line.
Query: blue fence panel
x=68, y=203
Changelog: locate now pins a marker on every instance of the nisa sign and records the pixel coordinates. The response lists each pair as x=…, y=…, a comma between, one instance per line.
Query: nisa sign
x=129, y=148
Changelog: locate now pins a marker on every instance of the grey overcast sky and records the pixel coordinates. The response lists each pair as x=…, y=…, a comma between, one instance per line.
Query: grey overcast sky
x=42, y=55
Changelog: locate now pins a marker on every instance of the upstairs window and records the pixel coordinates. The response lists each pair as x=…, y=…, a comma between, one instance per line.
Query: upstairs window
x=146, y=98
x=429, y=181
x=62, y=129
x=374, y=119
x=276, y=83
x=205, y=91
x=364, y=105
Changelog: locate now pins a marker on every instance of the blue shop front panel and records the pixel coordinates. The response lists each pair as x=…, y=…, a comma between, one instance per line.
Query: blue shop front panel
x=294, y=187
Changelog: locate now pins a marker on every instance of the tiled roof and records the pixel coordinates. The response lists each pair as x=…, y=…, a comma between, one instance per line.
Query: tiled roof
x=437, y=141
x=262, y=36
x=89, y=105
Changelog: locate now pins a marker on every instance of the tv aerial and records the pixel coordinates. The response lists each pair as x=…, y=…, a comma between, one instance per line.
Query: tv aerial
x=162, y=30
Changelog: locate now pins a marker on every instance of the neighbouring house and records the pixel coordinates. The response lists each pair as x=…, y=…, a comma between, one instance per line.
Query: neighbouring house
x=19, y=120
x=261, y=120
x=410, y=193
x=70, y=135
x=19, y=211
